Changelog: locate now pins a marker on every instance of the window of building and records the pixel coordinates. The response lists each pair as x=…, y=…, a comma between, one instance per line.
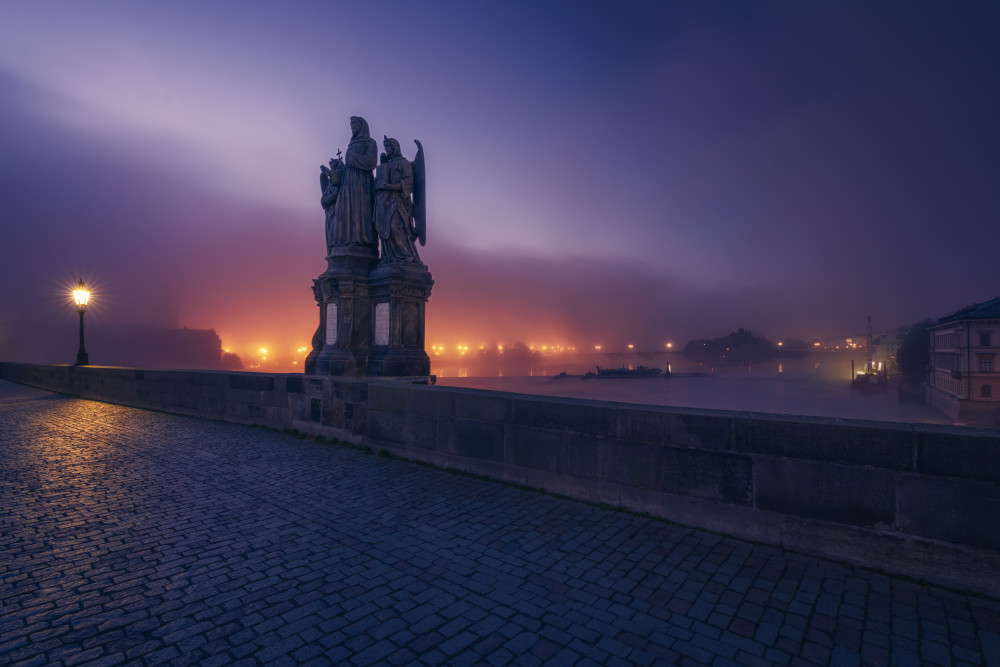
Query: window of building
x=984, y=338
x=986, y=391
x=986, y=364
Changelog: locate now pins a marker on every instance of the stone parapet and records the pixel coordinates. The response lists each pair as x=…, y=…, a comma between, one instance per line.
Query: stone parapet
x=913, y=499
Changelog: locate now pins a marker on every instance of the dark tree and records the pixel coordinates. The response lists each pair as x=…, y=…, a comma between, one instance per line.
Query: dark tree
x=519, y=352
x=740, y=347
x=913, y=355
x=490, y=353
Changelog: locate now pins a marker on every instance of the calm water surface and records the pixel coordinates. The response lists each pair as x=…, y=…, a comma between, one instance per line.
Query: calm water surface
x=791, y=393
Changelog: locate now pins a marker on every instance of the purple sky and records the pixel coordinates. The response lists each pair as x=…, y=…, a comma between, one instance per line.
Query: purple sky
x=643, y=171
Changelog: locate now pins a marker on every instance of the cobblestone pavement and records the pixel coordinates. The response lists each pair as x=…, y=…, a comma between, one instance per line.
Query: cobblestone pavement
x=129, y=536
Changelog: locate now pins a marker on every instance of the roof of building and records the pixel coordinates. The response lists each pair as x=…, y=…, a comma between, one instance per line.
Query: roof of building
x=978, y=311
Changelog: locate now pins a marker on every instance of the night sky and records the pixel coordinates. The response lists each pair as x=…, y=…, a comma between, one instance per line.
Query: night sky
x=637, y=171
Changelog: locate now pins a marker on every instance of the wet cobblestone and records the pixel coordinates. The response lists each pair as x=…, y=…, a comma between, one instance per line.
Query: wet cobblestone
x=135, y=537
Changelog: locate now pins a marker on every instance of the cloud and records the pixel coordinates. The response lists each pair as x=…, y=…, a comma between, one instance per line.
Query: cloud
x=693, y=192
x=509, y=296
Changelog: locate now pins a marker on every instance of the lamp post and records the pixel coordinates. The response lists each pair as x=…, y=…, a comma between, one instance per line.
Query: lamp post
x=81, y=295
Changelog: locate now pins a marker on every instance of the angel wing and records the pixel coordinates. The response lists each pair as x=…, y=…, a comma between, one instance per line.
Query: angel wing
x=419, y=195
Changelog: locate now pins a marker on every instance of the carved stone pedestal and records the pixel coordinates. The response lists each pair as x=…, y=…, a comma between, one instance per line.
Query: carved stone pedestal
x=399, y=294
x=343, y=339
x=371, y=319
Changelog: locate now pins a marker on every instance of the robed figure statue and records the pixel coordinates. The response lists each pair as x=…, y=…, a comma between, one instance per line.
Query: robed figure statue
x=399, y=203
x=348, y=191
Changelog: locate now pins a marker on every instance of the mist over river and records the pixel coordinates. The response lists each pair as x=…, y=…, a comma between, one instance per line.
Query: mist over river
x=805, y=387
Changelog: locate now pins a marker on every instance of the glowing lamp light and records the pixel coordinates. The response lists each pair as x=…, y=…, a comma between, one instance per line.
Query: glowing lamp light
x=669, y=345
x=631, y=346
x=81, y=297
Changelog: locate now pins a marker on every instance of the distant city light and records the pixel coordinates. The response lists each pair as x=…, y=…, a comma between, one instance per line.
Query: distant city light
x=669, y=345
x=631, y=346
x=780, y=343
x=263, y=350
x=597, y=347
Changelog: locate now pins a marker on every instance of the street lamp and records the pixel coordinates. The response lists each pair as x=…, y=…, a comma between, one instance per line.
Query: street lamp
x=81, y=295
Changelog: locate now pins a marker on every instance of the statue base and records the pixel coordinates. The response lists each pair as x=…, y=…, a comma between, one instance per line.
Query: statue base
x=371, y=317
x=399, y=363
x=342, y=340
x=399, y=293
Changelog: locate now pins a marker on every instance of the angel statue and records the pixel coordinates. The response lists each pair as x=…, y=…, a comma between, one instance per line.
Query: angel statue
x=400, y=220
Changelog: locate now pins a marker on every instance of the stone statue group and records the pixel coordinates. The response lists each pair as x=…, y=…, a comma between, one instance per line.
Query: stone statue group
x=362, y=209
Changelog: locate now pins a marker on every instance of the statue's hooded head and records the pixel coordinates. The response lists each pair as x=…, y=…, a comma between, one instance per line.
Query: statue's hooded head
x=359, y=126
x=391, y=146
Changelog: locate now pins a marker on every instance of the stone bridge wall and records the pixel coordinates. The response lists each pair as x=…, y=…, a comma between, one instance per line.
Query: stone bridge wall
x=918, y=500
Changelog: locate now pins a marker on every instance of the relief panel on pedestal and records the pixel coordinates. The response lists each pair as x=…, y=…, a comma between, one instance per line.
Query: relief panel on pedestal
x=331, y=324
x=382, y=323
x=411, y=325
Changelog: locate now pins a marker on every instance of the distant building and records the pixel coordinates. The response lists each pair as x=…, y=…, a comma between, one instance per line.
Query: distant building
x=884, y=349
x=964, y=382
x=155, y=347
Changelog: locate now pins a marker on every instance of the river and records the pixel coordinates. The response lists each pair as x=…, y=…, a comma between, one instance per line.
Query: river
x=792, y=389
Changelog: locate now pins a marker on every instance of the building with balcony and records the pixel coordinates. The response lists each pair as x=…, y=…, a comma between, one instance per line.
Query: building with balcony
x=964, y=380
